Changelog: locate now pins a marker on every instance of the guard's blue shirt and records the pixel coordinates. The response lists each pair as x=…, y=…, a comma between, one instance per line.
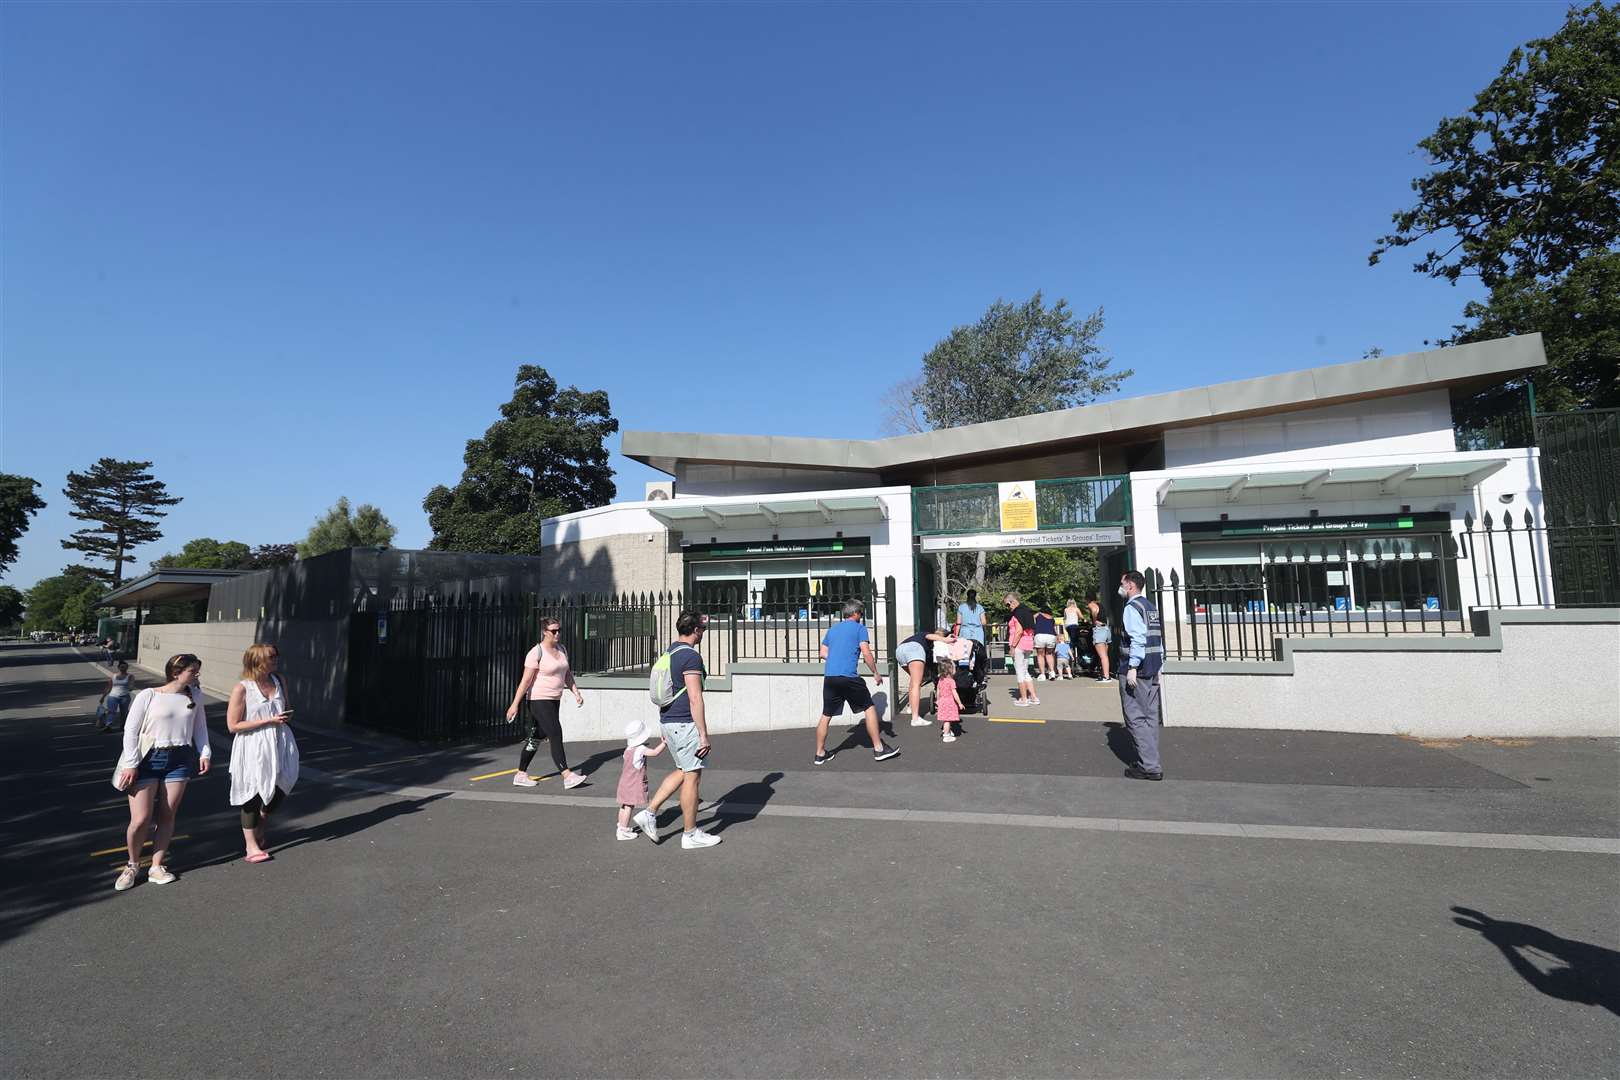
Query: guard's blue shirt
x=843, y=643
x=1135, y=633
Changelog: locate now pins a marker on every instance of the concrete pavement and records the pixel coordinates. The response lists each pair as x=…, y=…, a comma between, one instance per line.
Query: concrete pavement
x=437, y=934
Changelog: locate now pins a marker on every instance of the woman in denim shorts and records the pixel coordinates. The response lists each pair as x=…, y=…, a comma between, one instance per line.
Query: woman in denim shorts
x=165, y=745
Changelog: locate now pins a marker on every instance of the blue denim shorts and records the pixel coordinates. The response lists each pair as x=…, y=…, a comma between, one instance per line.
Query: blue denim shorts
x=170, y=764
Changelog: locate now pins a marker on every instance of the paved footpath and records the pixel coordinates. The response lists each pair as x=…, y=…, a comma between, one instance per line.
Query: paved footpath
x=1285, y=905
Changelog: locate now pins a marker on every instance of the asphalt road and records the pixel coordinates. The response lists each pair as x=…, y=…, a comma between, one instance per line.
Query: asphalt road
x=997, y=907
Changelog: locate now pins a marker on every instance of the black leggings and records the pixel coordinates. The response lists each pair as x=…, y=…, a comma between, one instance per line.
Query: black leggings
x=545, y=722
x=254, y=809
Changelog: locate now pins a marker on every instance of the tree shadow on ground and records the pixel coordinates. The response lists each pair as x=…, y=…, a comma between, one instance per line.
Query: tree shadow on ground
x=1589, y=975
x=742, y=803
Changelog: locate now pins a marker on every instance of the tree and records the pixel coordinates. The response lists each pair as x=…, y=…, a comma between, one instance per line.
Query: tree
x=11, y=606
x=1042, y=577
x=64, y=602
x=341, y=528
x=267, y=555
x=17, y=504
x=1524, y=195
x=902, y=413
x=125, y=501
x=205, y=553
x=545, y=456
x=1016, y=360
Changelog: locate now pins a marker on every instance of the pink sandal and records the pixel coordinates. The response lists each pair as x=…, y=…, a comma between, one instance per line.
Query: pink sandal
x=259, y=856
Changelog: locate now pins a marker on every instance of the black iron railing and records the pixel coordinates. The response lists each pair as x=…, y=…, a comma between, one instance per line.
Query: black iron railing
x=436, y=670
x=1388, y=587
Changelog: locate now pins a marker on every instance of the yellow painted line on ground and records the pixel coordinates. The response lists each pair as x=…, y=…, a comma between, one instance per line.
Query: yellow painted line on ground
x=1014, y=720
x=493, y=775
x=115, y=850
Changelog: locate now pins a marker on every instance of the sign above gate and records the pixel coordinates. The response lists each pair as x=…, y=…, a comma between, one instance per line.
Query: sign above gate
x=1001, y=541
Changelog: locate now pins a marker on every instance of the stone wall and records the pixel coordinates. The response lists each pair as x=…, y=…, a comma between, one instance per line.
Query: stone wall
x=314, y=658
x=1520, y=674
x=629, y=562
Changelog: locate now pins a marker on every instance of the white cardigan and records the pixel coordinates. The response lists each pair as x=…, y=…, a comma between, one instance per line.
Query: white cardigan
x=167, y=722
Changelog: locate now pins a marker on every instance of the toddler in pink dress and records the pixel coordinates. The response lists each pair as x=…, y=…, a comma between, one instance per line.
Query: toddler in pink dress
x=947, y=704
x=633, y=776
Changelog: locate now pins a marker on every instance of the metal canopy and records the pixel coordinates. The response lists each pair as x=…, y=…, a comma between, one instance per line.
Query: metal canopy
x=772, y=513
x=1358, y=482
x=166, y=586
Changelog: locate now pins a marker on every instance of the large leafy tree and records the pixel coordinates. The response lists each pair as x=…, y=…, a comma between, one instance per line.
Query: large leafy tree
x=546, y=455
x=342, y=527
x=17, y=504
x=1524, y=196
x=64, y=602
x=12, y=604
x=267, y=555
x=1015, y=360
x=205, y=553
x=125, y=502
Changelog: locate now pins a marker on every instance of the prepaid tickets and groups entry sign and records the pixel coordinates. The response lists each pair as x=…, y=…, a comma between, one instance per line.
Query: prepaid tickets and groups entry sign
x=1017, y=500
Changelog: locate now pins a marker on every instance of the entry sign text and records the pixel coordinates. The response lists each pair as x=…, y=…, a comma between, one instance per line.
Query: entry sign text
x=1053, y=538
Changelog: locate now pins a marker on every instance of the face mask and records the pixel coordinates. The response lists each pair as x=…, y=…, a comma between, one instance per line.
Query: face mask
x=1122, y=590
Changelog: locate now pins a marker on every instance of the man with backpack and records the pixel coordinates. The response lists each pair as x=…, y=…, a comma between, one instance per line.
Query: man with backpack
x=676, y=687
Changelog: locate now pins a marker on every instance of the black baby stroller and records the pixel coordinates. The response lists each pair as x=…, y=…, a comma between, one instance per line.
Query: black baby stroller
x=973, y=680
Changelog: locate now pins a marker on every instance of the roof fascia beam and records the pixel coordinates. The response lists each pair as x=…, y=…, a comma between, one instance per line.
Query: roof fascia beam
x=769, y=515
x=1490, y=468
x=1309, y=488
x=1235, y=488
x=1392, y=483
x=826, y=511
x=714, y=518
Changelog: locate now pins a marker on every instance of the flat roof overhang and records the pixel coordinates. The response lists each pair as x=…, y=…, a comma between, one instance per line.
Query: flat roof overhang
x=167, y=587
x=1478, y=364
x=682, y=517
x=1360, y=482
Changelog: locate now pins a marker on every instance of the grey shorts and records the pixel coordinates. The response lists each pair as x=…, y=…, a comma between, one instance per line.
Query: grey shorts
x=910, y=652
x=683, y=746
x=1100, y=635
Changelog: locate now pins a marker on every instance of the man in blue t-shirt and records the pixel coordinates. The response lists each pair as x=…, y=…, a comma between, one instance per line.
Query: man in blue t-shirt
x=686, y=733
x=847, y=643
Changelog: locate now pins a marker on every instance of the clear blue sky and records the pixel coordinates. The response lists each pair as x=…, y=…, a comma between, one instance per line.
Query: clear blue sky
x=291, y=252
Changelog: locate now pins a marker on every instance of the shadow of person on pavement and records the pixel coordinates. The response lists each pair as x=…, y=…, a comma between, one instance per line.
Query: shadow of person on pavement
x=1121, y=743
x=1589, y=975
x=741, y=803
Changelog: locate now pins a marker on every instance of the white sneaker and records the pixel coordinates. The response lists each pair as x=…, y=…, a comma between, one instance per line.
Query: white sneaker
x=1034, y=701
x=623, y=833
x=921, y=721
x=647, y=823
x=1021, y=703
x=523, y=779
x=698, y=838
x=159, y=875
x=949, y=736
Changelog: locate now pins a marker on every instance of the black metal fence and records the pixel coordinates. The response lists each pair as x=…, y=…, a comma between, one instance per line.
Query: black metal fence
x=1385, y=586
x=439, y=671
x=435, y=670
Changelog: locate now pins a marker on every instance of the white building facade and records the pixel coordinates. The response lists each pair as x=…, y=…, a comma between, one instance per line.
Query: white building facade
x=1348, y=477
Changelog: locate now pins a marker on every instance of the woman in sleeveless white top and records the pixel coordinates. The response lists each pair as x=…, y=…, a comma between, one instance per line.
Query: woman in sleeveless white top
x=264, y=754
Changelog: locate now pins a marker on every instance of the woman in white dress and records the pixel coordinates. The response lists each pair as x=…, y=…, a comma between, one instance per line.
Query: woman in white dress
x=264, y=754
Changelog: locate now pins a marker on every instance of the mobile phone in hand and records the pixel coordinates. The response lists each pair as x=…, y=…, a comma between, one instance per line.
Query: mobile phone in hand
x=703, y=751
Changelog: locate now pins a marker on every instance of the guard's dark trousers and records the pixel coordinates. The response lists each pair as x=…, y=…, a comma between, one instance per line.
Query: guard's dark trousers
x=1141, y=709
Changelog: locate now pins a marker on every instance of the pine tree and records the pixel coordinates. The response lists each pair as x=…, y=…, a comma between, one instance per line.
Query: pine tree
x=126, y=503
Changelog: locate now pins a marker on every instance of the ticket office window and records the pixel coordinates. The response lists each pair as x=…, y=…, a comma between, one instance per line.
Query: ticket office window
x=777, y=588
x=1380, y=572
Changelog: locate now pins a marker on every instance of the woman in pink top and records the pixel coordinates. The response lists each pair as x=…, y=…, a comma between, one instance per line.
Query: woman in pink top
x=546, y=675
